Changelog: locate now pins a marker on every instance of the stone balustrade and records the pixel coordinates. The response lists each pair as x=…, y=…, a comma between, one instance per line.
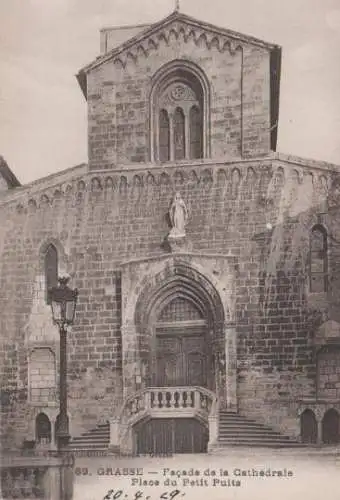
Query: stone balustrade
x=175, y=399
x=22, y=482
x=164, y=402
x=33, y=476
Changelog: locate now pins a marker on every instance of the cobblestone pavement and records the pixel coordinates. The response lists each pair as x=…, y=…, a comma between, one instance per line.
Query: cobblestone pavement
x=234, y=474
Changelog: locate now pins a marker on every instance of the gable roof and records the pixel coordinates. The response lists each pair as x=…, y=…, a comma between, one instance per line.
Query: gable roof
x=237, y=38
x=7, y=174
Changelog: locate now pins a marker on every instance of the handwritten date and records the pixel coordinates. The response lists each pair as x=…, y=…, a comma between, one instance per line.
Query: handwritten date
x=139, y=495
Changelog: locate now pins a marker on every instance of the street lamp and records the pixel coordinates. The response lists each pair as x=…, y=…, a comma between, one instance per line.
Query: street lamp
x=63, y=302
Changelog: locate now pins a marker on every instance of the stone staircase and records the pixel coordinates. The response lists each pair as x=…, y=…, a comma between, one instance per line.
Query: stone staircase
x=236, y=430
x=97, y=439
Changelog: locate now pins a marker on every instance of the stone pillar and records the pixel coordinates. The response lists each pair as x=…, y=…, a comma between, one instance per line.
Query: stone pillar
x=319, y=413
x=131, y=362
x=126, y=439
x=53, y=444
x=58, y=480
x=213, y=431
x=67, y=479
x=114, y=433
x=231, y=366
x=52, y=483
x=319, y=436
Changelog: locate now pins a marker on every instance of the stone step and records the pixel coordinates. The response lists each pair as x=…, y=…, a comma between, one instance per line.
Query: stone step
x=88, y=446
x=98, y=430
x=241, y=425
x=251, y=444
x=235, y=415
x=96, y=439
x=254, y=437
x=237, y=430
x=250, y=432
x=96, y=434
x=90, y=439
x=238, y=421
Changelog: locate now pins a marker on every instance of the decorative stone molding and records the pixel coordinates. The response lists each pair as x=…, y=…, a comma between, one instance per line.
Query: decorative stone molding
x=177, y=31
x=177, y=244
x=148, y=284
x=207, y=173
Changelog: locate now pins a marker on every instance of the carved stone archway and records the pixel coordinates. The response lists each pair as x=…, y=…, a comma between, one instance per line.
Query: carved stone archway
x=175, y=277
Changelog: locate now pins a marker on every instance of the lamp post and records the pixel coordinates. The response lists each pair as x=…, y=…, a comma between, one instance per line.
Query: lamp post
x=63, y=303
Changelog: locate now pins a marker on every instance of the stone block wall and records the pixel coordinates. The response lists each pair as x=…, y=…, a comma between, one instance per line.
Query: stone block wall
x=98, y=221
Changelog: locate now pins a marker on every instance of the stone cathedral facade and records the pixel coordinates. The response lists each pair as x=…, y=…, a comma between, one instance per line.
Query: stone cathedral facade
x=207, y=264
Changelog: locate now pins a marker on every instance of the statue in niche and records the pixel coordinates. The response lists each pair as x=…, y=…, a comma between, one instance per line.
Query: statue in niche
x=178, y=216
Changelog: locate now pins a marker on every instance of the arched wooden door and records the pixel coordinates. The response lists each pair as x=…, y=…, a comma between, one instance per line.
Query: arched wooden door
x=181, y=360
x=331, y=427
x=309, y=427
x=182, y=354
x=168, y=436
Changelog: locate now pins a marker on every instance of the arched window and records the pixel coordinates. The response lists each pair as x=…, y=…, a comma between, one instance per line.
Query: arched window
x=318, y=277
x=331, y=427
x=43, y=429
x=309, y=427
x=179, y=107
x=51, y=268
x=57, y=426
x=179, y=134
x=196, y=129
x=164, y=136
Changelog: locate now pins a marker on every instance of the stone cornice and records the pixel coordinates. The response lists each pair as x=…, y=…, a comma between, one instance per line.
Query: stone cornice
x=207, y=173
x=307, y=162
x=180, y=256
x=177, y=23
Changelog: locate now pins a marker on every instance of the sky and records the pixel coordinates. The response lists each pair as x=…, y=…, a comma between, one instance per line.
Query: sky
x=44, y=43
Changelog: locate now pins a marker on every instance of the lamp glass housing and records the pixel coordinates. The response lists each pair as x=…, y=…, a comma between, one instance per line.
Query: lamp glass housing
x=63, y=302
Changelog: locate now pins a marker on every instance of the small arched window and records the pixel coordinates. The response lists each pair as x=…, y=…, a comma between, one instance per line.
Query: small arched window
x=51, y=269
x=179, y=134
x=43, y=429
x=196, y=138
x=318, y=275
x=57, y=426
x=164, y=136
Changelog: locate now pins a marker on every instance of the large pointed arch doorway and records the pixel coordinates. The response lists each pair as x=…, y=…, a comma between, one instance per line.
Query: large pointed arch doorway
x=180, y=327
